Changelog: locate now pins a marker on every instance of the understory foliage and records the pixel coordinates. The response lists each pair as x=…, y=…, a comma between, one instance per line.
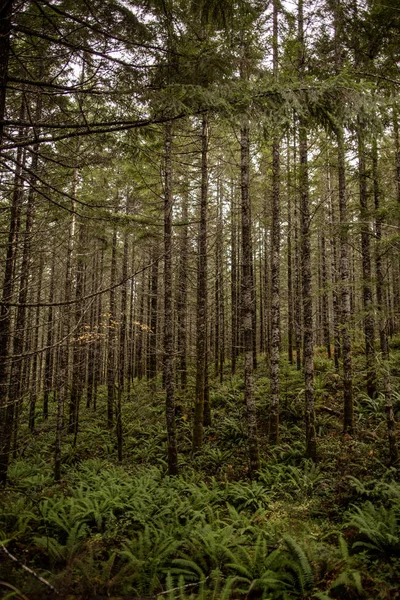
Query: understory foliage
x=299, y=530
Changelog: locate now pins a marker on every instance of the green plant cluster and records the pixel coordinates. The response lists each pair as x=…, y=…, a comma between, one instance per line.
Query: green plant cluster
x=300, y=530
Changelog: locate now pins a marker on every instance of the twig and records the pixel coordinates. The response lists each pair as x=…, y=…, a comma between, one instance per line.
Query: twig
x=175, y=589
x=28, y=570
x=331, y=411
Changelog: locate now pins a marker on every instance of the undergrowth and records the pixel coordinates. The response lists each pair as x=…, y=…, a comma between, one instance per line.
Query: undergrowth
x=300, y=530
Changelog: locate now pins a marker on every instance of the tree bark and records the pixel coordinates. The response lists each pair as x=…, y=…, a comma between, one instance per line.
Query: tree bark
x=306, y=274
x=49, y=358
x=183, y=294
x=111, y=338
x=122, y=343
x=77, y=383
x=247, y=299
x=383, y=336
x=63, y=358
x=6, y=8
x=275, y=261
x=168, y=308
x=152, y=370
x=7, y=409
x=369, y=321
x=348, y=410
x=289, y=258
x=234, y=286
x=201, y=314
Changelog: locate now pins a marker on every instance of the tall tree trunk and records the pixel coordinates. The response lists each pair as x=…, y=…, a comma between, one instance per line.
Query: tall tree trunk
x=306, y=276
x=34, y=387
x=247, y=296
x=92, y=334
x=380, y=287
x=396, y=296
x=168, y=308
x=7, y=409
x=19, y=333
x=275, y=262
x=219, y=288
x=335, y=277
x=182, y=293
x=122, y=343
x=6, y=8
x=201, y=319
x=98, y=377
x=111, y=338
x=289, y=257
x=77, y=382
x=369, y=321
x=152, y=371
x=298, y=316
x=234, y=285
x=62, y=368
x=50, y=352
x=218, y=273
x=140, y=332
x=325, y=305
x=348, y=411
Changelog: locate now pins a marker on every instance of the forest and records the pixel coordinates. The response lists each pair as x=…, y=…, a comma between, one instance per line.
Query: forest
x=199, y=299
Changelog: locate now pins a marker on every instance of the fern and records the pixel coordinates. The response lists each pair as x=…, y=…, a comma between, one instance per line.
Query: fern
x=379, y=525
x=63, y=552
x=148, y=557
x=299, y=565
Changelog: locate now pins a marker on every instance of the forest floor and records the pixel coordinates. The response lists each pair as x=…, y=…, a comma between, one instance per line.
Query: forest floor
x=301, y=530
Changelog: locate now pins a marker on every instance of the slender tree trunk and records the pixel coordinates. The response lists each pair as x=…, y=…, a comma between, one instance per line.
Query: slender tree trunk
x=111, y=338
x=34, y=387
x=334, y=275
x=298, y=317
x=247, y=299
x=7, y=409
x=98, y=377
x=168, y=308
x=396, y=296
x=234, y=294
x=77, y=341
x=201, y=320
x=348, y=411
x=275, y=262
x=131, y=331
x=92, y=336
x=254, y=315
x=182, y=294
x=122, y=344
x=6, y=8
x=306, y=274
x=140, y=335
x=152, y=371
x=19, y=332
x=289, y=258
x=218, y=278
x=49, y=358
x=62, y=367
x=369, y=321
x=380, y=287
x=325, y=306
x=219, y=288
x=308, y=350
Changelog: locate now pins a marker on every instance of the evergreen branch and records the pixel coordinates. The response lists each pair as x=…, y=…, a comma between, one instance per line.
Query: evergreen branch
x=76, y=47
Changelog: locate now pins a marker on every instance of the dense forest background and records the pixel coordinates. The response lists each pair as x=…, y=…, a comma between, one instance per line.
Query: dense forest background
x=200, y=298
